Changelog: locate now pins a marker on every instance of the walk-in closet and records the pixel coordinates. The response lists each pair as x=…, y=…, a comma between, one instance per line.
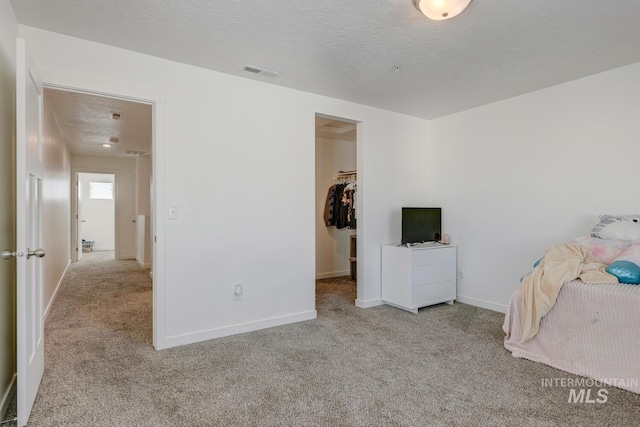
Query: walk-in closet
x=336, y=195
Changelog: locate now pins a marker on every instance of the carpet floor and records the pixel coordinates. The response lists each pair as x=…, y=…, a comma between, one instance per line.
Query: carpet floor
x=445, y=366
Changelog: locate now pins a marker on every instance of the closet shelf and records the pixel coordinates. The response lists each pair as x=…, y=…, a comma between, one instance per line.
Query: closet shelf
x=345, y=176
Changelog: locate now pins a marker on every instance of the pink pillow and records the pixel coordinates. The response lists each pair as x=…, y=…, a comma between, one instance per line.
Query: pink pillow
x=632, y=254
x=604, y=251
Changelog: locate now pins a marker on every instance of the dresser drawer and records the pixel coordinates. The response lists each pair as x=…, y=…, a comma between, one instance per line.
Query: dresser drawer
x=434, y=293
x=418, y=276
x=433, y=256
x=434, y=273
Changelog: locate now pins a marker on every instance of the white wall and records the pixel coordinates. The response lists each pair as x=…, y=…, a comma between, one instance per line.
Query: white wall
x=332, y=245
x=144, y=251
x=124, y=170
x=144, y=241
x=143, y=184
x=8, y=33
x=98, y=214
x=56, y=198
x=516, y=176
x=229, y=144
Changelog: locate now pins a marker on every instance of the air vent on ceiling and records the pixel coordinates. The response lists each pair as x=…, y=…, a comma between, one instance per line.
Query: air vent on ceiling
x=113, y=140
x=135, y=152
x=116, y=116
x=261, y=71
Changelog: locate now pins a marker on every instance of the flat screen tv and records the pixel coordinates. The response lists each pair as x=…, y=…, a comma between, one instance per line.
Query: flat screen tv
x=421, y=225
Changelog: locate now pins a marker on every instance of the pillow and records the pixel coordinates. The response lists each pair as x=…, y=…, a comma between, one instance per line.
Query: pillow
x=627, y=266
x=604, y=251
x=621, y=227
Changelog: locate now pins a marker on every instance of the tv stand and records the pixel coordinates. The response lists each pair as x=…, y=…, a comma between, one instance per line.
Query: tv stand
x=418, y=276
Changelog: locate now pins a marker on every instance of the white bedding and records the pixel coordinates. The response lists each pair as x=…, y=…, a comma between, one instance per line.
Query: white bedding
x=592, y=330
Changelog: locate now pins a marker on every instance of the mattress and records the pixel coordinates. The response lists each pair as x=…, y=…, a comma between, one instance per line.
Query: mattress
x=592, y=331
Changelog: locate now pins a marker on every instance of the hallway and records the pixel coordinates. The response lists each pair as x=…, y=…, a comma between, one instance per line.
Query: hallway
x=103, y=298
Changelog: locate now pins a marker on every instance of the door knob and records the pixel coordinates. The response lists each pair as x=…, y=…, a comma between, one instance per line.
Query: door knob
x=10, y=254
x=38, y=252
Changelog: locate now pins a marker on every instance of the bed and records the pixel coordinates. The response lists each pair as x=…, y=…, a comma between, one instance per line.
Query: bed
x=592, y=330
x=578, y=310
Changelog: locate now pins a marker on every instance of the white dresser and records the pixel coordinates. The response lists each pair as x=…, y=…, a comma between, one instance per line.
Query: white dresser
x=418, y=276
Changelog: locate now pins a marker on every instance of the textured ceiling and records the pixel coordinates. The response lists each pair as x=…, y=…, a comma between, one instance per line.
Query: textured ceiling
x=86, y=123
x=494, y=50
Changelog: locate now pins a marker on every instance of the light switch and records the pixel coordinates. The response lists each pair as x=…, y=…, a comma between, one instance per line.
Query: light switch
x=173, y=211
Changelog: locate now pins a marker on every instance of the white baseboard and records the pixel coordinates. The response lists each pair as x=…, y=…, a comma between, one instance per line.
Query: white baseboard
x=500, y=308
x=102, y=248
x=369, y=302
x=142, y=264
x=332, y=274
x=7, y=396
x=241, y=328
x=55, y=292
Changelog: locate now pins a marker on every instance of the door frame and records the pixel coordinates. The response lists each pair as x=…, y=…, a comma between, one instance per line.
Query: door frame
x=156, y=98
x=75, y=252
x=360, y=265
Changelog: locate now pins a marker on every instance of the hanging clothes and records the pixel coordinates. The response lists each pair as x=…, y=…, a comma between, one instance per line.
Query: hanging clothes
x=340, y=206
x=328, y=206
x=350, y=198
x=339, y=209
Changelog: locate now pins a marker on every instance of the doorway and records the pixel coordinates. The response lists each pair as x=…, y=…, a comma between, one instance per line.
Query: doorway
x=110, y=142
x=95, y=213
x=155, y=98
x=336, y=179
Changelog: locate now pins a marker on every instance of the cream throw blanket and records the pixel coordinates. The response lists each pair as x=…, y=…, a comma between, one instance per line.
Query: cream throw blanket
x=540, y=288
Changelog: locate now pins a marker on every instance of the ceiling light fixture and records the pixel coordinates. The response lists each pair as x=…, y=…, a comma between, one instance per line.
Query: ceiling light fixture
x=439, y=10
x=106, y=145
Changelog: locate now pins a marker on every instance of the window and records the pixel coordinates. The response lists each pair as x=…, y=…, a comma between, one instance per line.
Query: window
x=101, y=190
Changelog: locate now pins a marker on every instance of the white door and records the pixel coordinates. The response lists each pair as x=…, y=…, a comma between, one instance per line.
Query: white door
x=29, y=295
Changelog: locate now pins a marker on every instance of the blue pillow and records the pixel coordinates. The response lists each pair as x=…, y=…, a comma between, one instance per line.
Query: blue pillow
x=626, y=272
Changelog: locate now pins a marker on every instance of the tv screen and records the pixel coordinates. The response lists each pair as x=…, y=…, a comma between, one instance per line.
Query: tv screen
x=421, y=225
